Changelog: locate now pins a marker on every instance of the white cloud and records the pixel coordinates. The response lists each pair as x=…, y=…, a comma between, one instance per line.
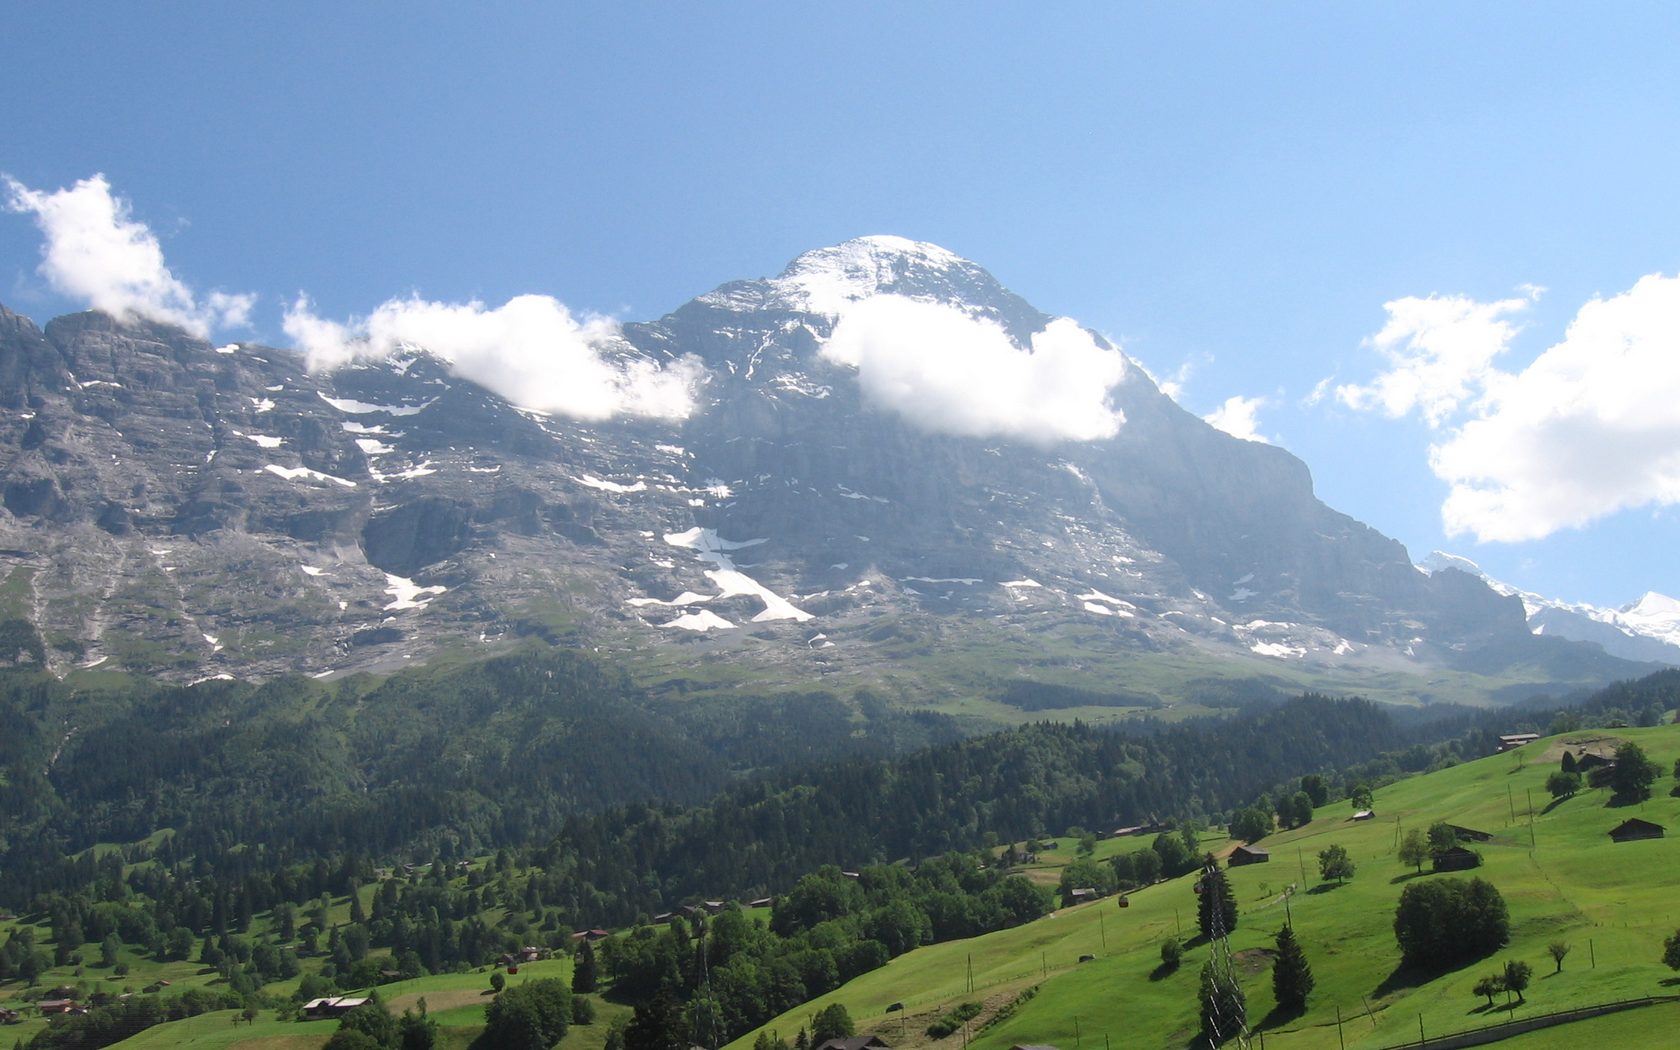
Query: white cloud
x=530, y=350
x=1239, y=417
x=948, y=372
x=1588, y=429
x=96, y=252
x=1440, y=351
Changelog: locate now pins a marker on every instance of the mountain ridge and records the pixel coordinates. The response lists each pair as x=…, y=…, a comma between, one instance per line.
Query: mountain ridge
x=194, y=510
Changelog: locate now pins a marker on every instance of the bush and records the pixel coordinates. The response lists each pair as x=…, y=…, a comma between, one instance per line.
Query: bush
x=1448, y=921
x=962, y=1014
x=1563, y=785
x=1172, y=953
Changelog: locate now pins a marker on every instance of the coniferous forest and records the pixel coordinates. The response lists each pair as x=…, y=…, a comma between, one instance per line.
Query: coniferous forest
x=599, y=806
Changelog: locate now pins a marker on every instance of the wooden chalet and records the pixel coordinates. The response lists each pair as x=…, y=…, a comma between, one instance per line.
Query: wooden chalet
x=1512, y=741
x=1588, y=760
x=1246, y=854
x=1364, y=814
x=1455, y=858
x=589, y=935
x=1471, y=834
x=867, y=1041
x=1152, y=826
x=1081, y=894
x=10, y=1016
x=1634, y=828
x=331, y=1006
x=56, y=1006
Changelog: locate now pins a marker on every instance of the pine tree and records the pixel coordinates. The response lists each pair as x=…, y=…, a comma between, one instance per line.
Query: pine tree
x=1216, y=893
x=1292, y=977
x=1224, y=1009
x=583, y=975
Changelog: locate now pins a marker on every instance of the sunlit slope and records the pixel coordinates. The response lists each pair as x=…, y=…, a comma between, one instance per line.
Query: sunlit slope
x=1562, y=877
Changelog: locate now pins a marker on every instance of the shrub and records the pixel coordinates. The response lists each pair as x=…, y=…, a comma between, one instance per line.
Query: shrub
x=1448, y=921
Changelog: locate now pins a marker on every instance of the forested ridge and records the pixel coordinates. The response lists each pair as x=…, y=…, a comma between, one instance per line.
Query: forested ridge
x=244, y=812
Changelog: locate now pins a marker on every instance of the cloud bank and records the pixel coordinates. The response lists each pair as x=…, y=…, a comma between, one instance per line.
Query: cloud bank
x=94, y=251
x=1239, y=417
x=1440, y=351
x=530, y=351
x=947, y=372
x=1588, y=429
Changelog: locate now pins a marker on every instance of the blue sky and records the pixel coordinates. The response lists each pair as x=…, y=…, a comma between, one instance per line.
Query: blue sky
x=1231, y=193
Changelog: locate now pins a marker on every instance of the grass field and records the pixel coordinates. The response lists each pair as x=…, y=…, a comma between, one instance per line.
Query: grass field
x=1561, y=876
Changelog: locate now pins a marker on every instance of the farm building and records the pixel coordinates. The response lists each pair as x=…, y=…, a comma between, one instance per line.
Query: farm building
x=1246, y=854
x=1455, y=858
x=1634, y=828
x=1510, y=741
x=867, y=1041
x=1470, y=834
x=332, y=1006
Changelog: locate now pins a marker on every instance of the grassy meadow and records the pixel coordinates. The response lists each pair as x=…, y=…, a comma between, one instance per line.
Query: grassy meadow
x=1562, y=878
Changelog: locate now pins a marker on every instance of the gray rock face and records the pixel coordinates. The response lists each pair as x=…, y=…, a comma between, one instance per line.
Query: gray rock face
x=191, y=510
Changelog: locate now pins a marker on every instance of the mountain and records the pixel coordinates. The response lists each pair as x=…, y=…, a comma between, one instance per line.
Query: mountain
x=1647, y=630
x=190, y=510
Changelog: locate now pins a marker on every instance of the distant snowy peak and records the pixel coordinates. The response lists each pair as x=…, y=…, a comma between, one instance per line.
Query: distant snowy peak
x=1654, y=618
x=826, y=281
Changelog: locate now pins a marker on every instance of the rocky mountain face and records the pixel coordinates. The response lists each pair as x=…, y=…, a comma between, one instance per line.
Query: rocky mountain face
x=189, y=510
x=1647, y=630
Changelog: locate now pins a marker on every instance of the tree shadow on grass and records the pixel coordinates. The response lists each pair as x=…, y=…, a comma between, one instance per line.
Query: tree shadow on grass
x=1326, y=887
x=1280, y=1016
x=1669, y=982
x=1163, y=971
x=1406, y=877
x=1404, y=977
x=1555, y=803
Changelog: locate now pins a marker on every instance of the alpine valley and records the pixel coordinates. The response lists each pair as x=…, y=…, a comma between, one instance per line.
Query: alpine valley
x=188, y=510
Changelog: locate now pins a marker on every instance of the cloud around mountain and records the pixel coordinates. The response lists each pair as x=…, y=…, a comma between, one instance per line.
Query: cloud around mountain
x=947, y=372
x=531, y=350
x=1585, y=430
x=94, y=251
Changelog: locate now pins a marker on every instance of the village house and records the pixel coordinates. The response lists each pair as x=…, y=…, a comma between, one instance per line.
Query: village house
x=867, y=1041
x=1470, y=834
x=331, y=1006
x=1246, y=854
x=1633, y=828
x=1455, y=858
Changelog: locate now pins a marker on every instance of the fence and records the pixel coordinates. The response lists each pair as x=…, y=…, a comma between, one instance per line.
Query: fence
x=1505, y=1029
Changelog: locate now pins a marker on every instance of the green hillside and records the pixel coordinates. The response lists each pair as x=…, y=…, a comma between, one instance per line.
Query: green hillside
x=1560, y=874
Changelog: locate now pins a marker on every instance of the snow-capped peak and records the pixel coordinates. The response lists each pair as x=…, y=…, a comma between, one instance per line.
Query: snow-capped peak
x=1654, y=616
x=1438, y=560
x=826, y=280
